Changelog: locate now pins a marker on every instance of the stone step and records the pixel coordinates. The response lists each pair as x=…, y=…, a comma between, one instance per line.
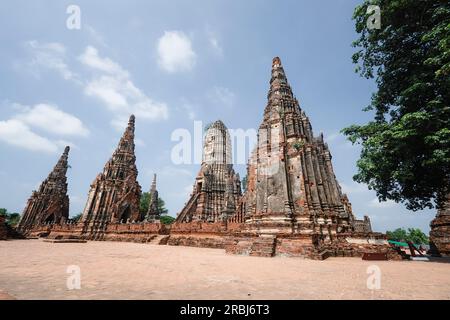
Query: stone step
x=160, y=240
x=263, y=247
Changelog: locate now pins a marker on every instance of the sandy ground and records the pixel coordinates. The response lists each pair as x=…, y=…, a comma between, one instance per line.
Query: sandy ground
x=33, y=269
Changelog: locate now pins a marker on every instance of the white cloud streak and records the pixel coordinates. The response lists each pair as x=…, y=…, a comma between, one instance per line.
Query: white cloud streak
x=175, y=53
x=113, y=87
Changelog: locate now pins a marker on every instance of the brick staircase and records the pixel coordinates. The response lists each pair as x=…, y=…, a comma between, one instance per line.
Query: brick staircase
x=263, y=246
x=159, y=239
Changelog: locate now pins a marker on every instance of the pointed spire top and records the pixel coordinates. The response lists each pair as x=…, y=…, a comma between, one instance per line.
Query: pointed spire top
x=66, y=150
x=154, y=180
x=131, y=121
x=276, y=62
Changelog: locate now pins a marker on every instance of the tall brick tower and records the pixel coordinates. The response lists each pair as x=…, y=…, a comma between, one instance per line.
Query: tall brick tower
x=50, y=203
x=217, y=188
x=115, y=193
x=440, y=231
x=292, y=188
x=153, y=210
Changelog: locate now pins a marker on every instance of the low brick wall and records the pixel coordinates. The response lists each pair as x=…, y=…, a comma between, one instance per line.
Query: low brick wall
x=202, y=234
x=307, y=246
x=299, y=246
x=3, y=228
x=356, y=244
x=231, y=237
x=57, y=231
x=440, y=234
x=135, y=232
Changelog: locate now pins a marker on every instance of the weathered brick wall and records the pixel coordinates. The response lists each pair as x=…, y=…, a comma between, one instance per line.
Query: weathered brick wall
x=345, y=245
x=197, y=240
x=135, y=232
x=3, y=228
x=300, y=246
x=202, y=234
x=356, y=244
x=57, y=231
x=440, y=234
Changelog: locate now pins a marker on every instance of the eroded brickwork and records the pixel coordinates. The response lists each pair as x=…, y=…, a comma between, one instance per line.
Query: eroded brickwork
x=115, y=193
x=217, y=188
x=440, y=231
x=50, y=203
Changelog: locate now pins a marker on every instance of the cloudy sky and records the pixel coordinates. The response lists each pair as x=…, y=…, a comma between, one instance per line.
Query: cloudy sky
x=170, y=63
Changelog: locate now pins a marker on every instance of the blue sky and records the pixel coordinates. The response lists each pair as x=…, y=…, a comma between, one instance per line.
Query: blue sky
x=170, y=63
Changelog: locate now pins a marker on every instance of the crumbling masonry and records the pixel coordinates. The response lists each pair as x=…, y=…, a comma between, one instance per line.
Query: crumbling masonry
x=293, y=204
x=50, y=203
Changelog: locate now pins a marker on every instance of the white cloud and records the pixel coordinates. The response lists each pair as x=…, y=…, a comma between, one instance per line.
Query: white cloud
x=214, y=43
x=95, y=35
x=16, y=133
x=112, y=86
x=51, y=119
x=91, y=59
x=50, y=55
x=375, y=203
x=221, y=96
x=175, y=52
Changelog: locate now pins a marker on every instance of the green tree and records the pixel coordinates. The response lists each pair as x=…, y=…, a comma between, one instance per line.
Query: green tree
x=76, y=217
x=398, y=234
x=405, y=152
x=167, y=219
x=11, y=218
x=145, y=201
x=414, y=235
x=244, y=183
x=417, y=236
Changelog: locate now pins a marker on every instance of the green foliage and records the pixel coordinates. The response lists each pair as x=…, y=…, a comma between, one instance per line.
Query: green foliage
x=76, y=217
x=405, y=152
x=145, y=201
x=298, y=145
x=244, y=183
x=11, y=218
x=167, y=219
x=414, y=235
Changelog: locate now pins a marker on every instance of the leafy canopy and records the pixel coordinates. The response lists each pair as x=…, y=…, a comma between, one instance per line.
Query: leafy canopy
x=11, y=218
x=145, y=202
x=405, y=152
x=414, y=235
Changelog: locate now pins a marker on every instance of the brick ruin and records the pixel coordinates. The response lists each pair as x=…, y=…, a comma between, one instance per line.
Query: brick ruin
x=153, y=213
x=217, y=188
x=3, y=228
x=115, y=194
x=293, y=205
x=50, y=203
x=440, y=231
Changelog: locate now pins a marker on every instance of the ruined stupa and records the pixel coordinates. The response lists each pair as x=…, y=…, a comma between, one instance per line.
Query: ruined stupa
x=115, y=193
x=440, y=231
x=50, y=203
x=292, y=188
x=153, y=213
x=217, y=188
